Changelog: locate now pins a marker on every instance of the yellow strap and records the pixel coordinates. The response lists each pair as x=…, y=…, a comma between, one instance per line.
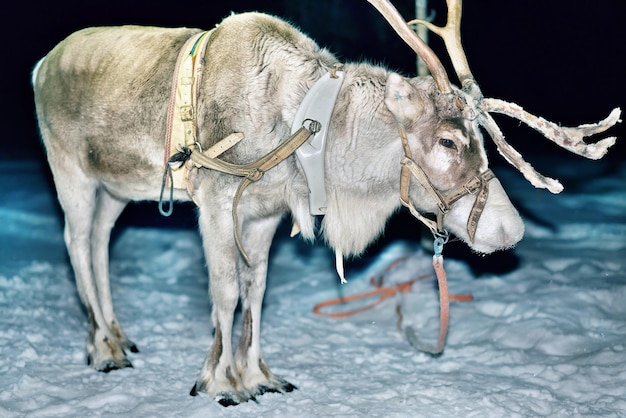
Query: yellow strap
x=181, y=129
x=224, y=145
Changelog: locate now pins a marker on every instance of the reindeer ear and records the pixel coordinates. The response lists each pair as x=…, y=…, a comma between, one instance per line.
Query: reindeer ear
x=404, y=101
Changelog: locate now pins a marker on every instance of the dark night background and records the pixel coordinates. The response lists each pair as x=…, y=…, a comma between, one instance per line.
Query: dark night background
x=561, y=59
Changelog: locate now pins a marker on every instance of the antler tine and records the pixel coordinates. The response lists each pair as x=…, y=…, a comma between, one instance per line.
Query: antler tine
x=451, y=36
x=515, y=158
x=391, y=14
x=570, y=138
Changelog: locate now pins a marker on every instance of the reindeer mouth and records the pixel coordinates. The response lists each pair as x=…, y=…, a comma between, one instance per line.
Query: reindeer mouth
x=500, y=228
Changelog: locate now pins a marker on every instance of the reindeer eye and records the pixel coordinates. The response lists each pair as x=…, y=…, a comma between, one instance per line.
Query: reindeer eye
x=448, y=143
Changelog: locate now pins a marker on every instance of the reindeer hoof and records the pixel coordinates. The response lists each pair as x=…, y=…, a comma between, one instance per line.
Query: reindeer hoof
x=111, y=365
x=281, y=387
x=262, y=390
x=107, y=366
x=225, y=402
x=132, y=347
x=194, y=390
x=274, y=385
x=115, y=365
x=290, y=387
x=225, y=398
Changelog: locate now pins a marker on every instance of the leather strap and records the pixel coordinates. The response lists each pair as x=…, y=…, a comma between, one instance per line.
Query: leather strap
x=476, y=185
x=405, y=184
x=182, y=112
x=253, y=171
x=413, y=168
x=479, y=203
x=444, y=313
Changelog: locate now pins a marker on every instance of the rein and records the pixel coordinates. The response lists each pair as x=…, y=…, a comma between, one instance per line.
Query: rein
x=476, y=185
x=386, y=292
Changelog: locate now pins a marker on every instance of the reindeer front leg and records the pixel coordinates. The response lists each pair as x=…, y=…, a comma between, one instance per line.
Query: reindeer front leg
x=219, y=377
x=255, y=374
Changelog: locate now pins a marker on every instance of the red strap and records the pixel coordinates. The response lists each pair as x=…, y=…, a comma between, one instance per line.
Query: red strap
x=444, y=302
x=387, y=292
x=384, y=292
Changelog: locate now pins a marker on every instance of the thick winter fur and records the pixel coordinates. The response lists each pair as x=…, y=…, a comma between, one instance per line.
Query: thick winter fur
x=102, y=97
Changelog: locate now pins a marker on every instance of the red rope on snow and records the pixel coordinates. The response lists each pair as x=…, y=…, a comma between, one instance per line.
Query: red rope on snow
x=385, y=292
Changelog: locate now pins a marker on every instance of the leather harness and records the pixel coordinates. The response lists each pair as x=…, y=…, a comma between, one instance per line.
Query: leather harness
x=181, y=136
x=183, y=150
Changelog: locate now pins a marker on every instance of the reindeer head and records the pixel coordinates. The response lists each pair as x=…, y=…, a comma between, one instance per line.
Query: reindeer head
x=444, y=152
x=453, y=169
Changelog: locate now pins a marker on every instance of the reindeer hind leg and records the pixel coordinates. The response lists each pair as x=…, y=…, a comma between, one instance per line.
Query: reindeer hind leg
x=77, y=194
x=108, y=209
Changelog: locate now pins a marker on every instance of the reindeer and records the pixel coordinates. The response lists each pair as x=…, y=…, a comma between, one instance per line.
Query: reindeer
x=107, y=107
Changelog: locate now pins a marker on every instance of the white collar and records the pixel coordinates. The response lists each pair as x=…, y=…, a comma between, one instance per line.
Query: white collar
x=318, y=105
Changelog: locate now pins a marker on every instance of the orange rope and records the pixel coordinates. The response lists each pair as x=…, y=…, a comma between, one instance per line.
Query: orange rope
x=384, y=292
x=404, y=287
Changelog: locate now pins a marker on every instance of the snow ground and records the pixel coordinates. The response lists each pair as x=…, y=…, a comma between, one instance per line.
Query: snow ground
x=544, y=336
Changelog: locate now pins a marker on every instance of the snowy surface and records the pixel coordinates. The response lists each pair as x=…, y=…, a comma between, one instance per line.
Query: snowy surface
x=544, y=336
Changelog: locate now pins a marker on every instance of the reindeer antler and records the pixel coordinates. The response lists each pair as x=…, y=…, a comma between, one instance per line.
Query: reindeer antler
x=451, y=36
x=571, y=139
x=409, y=36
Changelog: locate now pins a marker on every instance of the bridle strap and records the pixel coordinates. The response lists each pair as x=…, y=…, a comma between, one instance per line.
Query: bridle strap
x=405, y=184
x=480, y=202
x=409, y=166
x=262, y=165
x=476, y=185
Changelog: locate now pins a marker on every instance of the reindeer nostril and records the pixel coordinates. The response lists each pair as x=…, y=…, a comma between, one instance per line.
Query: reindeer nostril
x=512, y=235
x=507, y=241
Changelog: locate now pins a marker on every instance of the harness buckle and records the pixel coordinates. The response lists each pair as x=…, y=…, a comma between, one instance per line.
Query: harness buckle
x=186, y=113
x=472, y=185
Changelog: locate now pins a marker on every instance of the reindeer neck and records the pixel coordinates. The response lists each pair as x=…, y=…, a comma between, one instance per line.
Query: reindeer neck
x=365, y=148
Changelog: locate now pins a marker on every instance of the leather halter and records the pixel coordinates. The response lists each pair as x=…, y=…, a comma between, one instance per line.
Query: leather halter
x=476, y=185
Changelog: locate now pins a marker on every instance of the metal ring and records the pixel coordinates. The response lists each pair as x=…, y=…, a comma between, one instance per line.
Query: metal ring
x=314, y=126
x=445, y=235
